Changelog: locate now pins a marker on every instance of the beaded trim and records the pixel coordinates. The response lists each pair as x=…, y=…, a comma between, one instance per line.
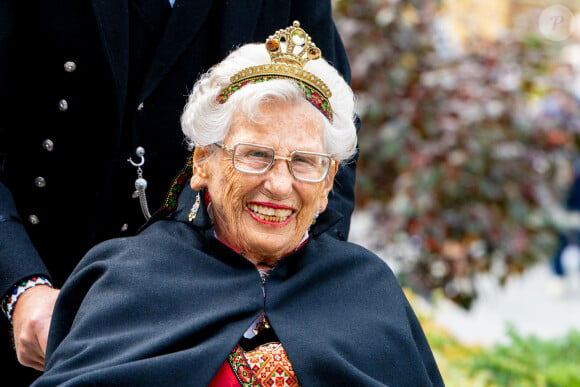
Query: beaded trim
x=9, y=302
x=315, y=97
x=171, y=200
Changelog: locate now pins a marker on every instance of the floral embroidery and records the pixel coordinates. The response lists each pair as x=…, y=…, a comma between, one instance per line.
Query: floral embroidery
x=267, y=365
x=271, y=365
x=315, y=98
x=177, y=185
x=241, y=369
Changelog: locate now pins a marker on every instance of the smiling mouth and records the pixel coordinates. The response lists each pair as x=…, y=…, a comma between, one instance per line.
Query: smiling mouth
x=269, y=214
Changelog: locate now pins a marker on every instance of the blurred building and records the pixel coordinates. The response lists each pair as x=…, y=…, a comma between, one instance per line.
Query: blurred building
x=474, y=20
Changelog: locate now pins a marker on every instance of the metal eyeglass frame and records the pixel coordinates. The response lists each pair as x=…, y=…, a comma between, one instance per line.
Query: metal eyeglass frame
x=276, y=157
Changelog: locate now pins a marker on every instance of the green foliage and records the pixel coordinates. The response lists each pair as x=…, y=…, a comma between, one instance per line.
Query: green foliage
x=521, y=361
x=529, y=361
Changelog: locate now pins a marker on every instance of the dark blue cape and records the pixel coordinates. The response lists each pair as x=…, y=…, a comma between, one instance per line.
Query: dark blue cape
x=167, y=306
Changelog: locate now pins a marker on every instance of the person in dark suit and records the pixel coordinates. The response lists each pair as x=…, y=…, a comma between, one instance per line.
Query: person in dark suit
x=83, y=85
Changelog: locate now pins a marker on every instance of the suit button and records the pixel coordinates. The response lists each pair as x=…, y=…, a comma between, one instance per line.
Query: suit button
x=40, y=182
x=70, y=66
x=48, y=145
x=140, y=106
x=124, y=227
x=63, y=105
x=33, y=219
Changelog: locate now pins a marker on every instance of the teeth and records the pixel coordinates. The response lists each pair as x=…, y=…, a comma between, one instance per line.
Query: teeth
x=270, y=214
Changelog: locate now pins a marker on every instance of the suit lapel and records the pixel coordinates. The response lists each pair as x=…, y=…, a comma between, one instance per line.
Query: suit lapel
x=112, y=20
x=185, y=20
x=240, y=28
x=187, y=17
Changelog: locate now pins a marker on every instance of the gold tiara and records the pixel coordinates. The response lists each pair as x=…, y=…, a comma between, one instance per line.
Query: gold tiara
x=289, y=49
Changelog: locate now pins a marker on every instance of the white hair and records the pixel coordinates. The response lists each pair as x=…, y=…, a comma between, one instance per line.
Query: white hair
x=205, y=121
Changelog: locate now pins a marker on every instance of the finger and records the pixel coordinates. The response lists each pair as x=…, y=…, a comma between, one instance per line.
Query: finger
x=30, y=354
x=36, y=362
x=37, y=366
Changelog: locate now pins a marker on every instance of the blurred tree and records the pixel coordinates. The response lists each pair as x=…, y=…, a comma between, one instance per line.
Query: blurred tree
x=464, y=150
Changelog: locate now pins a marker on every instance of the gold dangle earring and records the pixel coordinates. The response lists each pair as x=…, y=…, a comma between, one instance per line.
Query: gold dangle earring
x=315, y=217
x=194, y=208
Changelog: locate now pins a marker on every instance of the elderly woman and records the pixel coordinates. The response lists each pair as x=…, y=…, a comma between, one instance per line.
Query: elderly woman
x=236, y=283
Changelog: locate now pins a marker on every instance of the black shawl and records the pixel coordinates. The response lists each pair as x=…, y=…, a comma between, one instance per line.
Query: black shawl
x=167, y=306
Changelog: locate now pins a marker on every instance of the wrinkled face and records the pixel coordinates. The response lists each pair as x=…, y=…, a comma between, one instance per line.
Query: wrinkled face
x=265, y=216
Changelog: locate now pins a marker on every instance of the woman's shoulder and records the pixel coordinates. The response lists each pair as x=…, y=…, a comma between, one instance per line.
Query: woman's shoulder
x=159, y=239
x=351, y=260
x=348, y=250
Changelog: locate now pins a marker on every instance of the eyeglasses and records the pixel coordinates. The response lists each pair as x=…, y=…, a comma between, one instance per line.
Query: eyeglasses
x=255, y=159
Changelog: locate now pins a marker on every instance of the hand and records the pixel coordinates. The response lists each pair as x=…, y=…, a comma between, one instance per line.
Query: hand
x=31, y=322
